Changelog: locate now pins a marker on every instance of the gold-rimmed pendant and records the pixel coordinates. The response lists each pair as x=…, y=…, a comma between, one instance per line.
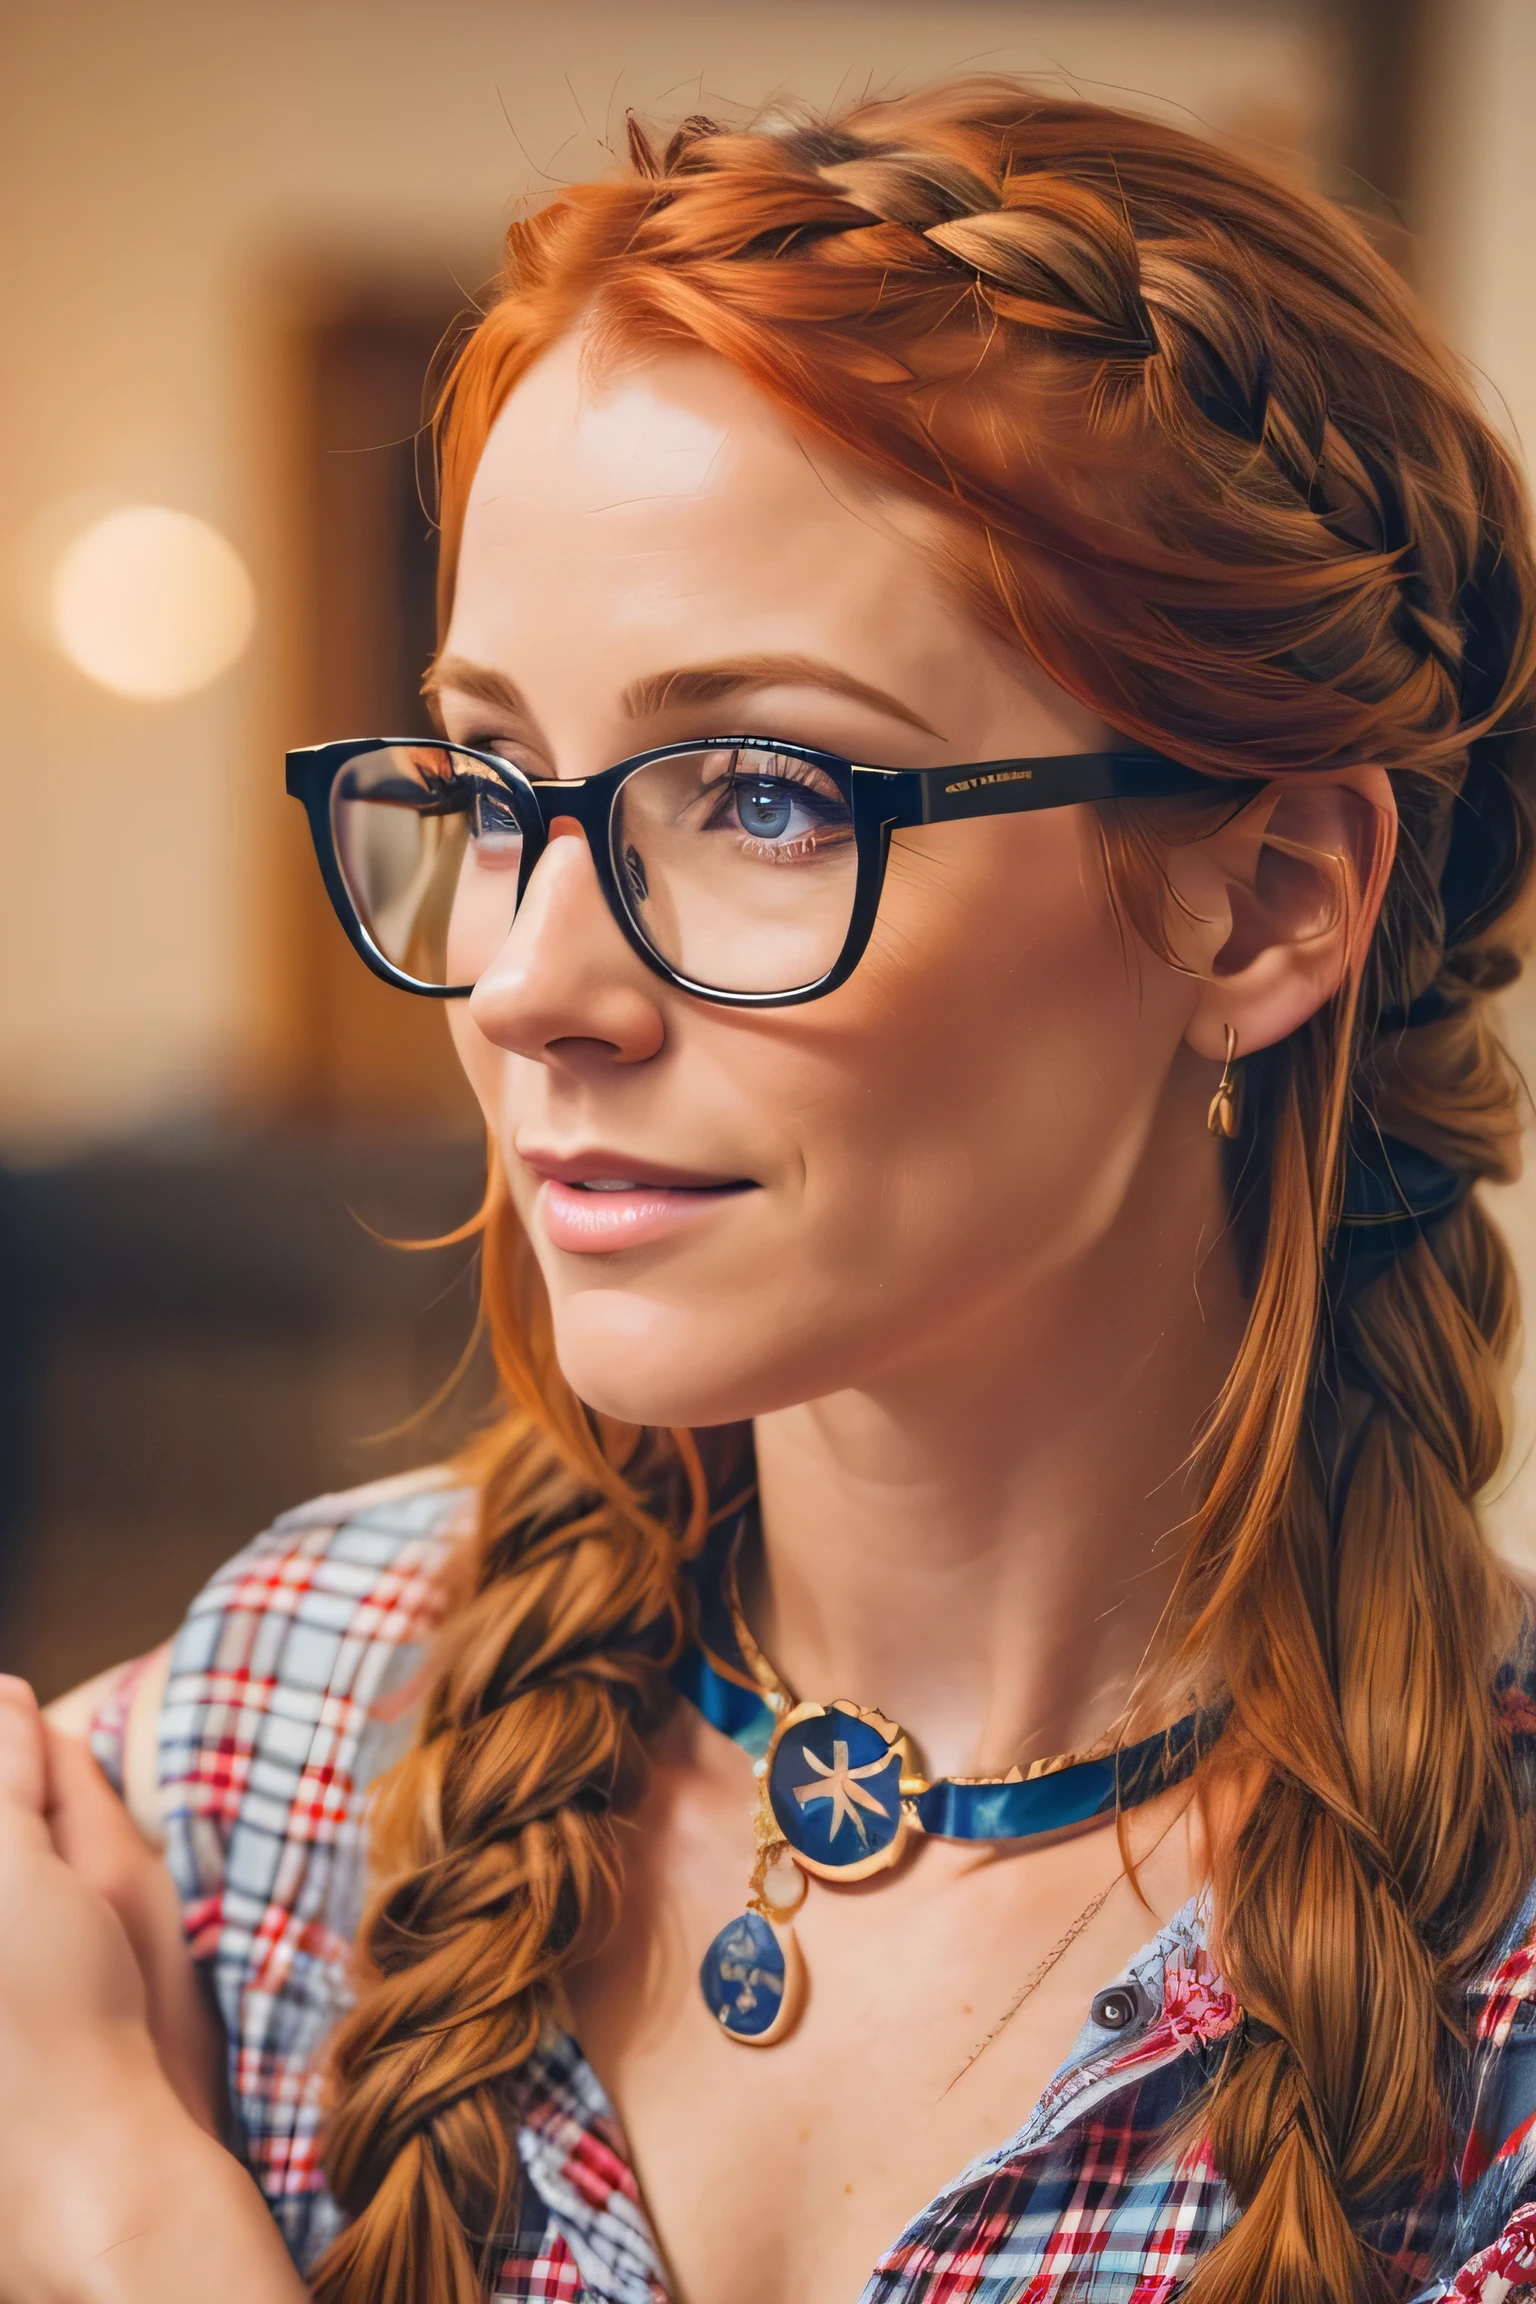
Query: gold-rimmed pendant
x=753, y=1979
x=834, y=1786
x=831, y=1806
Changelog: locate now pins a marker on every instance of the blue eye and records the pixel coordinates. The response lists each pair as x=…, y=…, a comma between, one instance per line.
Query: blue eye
x=764, y=809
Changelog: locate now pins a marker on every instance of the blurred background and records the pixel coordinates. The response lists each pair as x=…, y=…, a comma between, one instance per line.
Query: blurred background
x=233, y=235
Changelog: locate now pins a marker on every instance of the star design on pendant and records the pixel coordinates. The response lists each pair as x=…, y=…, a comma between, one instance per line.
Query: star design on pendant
x=844, y=1788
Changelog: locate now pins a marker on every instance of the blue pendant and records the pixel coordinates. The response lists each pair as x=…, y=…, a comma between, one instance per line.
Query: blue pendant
x=834, y=1785
x=753, y=1980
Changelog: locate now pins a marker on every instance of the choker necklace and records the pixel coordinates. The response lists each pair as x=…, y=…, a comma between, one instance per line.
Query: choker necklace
x=841, y=1797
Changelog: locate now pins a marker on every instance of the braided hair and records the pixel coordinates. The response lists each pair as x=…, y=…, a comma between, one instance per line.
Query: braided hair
x=1188, y=442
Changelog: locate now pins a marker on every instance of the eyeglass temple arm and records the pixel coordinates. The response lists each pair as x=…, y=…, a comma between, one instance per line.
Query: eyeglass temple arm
x=1013, y=787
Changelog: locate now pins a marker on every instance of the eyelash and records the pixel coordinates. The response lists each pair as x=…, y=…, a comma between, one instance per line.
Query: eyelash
x=497, y=743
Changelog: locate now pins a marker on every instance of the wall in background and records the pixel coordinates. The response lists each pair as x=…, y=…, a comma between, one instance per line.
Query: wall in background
x=1472, y=208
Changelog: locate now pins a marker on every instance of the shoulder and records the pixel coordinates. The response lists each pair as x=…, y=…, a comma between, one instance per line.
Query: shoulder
x=326, y=1591
x=297, y=1648
x=328, y=1595
x=367, y=1562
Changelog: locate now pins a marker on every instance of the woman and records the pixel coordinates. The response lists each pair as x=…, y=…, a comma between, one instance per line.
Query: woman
x=977, y=1593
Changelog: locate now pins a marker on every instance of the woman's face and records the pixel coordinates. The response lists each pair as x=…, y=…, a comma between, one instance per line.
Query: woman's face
x=735, y=1210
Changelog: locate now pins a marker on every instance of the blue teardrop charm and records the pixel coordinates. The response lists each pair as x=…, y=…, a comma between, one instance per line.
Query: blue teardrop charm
x=753, y=1980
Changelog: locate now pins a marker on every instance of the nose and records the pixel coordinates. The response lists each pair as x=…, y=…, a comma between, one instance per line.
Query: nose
x=565, y=986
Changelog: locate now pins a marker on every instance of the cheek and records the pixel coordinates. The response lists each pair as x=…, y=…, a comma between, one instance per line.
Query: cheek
x=1001, y=1052
x=954, y=1124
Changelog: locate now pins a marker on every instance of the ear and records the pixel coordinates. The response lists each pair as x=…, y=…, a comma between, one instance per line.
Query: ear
x=1274, y=910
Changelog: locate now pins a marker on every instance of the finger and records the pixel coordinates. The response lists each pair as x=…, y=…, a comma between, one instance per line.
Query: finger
x=102, y=1845
x=91, y=1828
x=23, y=1765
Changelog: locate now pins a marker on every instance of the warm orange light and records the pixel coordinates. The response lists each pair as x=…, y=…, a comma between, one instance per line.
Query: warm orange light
x=152, y=603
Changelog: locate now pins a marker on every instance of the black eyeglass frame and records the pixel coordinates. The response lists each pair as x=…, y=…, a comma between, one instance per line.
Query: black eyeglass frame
x=880, y=801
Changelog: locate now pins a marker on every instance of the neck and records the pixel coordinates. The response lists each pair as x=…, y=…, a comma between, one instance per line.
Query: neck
x=980, y=1542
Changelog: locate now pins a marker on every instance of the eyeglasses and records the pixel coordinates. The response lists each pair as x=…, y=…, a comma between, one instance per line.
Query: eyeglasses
x=742, y=870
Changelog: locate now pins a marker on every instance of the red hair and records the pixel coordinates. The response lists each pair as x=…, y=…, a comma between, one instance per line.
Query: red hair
x=1193, y=448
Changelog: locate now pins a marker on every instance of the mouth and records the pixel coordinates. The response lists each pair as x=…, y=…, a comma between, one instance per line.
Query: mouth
x=595, y=1202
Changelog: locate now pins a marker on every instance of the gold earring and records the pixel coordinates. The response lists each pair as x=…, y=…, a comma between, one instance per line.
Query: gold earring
x=1221, y=1119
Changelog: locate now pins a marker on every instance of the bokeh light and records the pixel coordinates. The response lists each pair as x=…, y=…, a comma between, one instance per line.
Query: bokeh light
x=152, y=603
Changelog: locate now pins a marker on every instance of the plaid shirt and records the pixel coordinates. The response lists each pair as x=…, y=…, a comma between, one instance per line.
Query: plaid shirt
x=289, y=1689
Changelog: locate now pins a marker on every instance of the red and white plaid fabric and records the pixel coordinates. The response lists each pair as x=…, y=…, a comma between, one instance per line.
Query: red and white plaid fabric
x=289, y=1691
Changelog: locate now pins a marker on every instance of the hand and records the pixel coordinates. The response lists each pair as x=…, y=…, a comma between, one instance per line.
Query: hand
x=110, y=2193
x=99, y=1841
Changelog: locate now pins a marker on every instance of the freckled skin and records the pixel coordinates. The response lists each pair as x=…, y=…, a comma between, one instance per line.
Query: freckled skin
x=976, y=1303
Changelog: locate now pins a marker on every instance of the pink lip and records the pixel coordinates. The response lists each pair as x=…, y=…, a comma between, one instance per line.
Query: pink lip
x=652, y=1203
x=594, y=1223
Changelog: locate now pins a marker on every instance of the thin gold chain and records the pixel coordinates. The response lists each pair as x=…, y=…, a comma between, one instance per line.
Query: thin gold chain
x=1037, y=1976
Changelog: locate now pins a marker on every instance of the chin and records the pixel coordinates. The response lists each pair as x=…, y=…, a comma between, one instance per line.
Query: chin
x=648, y=1362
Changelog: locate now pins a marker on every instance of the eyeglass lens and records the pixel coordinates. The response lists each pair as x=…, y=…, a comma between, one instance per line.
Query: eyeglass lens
x=738, y=868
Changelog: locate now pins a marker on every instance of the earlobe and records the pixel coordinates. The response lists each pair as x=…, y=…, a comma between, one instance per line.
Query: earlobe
x=1302, y=872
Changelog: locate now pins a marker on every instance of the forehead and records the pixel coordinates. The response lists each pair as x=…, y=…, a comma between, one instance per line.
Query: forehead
x=670, y=492
x=679, y=429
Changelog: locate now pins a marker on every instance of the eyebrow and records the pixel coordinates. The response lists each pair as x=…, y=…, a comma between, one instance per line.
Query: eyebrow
x=477, y=681
x=688, y=684
x=709, y=683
